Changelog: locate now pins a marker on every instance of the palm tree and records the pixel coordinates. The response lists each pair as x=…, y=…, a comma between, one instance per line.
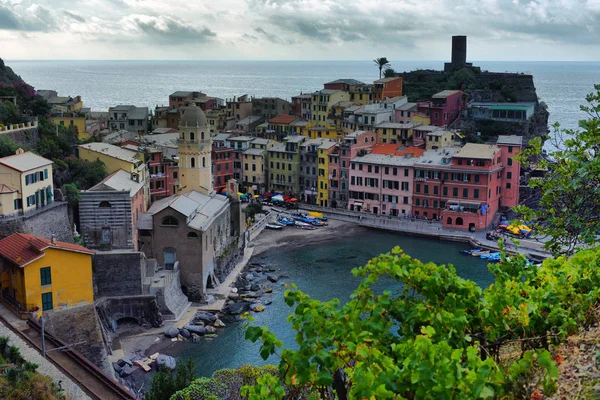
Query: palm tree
x=381, y=63
x=389, y=73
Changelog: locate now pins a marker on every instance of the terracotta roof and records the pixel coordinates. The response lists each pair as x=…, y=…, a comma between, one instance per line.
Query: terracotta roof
x=396, y=150
x=283, y=119
x=23, y=249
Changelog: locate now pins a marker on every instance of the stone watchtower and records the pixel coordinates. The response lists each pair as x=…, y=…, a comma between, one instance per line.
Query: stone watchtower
x=459, y=55
x=194, y=151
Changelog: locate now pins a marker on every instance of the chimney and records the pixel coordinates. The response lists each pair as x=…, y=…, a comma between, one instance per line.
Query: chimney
x=53, y=239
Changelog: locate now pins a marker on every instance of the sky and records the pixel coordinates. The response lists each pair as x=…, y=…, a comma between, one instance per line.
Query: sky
x=502, y=30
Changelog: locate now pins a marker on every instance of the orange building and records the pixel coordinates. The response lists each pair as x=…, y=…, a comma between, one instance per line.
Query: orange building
x=387, y=87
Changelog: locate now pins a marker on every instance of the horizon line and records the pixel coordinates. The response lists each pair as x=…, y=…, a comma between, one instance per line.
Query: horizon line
x=281, y=60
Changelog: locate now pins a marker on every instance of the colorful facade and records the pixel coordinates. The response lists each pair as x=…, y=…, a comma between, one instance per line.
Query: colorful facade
x=164, y=175
x=25, y=183
x=353, y=145
x=222, y=162
x=386, y=88
x=284, y=166
x=324, y=150
x=254, y=160
x=444, y=107
x=44, y=274
x=323, y=101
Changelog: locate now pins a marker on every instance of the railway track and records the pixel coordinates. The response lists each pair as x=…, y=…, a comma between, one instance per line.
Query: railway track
x=92, y=380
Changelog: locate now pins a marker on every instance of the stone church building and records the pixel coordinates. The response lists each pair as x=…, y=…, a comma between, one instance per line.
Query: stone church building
x=196, y=230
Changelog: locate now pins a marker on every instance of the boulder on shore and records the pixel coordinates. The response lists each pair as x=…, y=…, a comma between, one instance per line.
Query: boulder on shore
x=205, y=317
x=184, y=333
x=167, y=361
x=126, y=371
x=211, y=330
x=272, y=278
x=257, y=307
x=238, y=308
x=219, y=324
x=172, y=332
x=197, y=329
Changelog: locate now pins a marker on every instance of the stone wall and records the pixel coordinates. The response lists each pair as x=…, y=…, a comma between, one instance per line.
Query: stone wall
x=80, y=324
x=116, y=219
x=226, y=262
x=118, y=273
x=52, y=220
x=23, y=136
x=143, y=309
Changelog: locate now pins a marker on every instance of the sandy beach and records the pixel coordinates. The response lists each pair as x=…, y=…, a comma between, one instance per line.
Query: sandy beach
x=293, y=236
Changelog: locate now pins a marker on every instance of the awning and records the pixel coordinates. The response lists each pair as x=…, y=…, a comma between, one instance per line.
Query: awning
x=464, y=203
x=358, y=203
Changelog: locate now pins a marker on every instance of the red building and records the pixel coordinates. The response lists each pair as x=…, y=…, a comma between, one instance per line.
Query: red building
x=386, y=88
x=353, y=145
x=222, y=162
x=443, y=108
x=163, y=175
x=466, y=187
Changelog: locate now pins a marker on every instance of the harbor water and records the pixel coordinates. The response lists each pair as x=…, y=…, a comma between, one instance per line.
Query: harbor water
x=324, y=272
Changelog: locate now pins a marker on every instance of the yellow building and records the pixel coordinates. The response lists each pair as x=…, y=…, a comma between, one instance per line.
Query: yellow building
x=116, y=158
x=439, y=139
x=324, y=131
x=395, y=132
x=322, y=104
x=38, y=273
x=76, y=121
x=254, y=165
x=323, y=172
x=25, y=183
x=216, y=120
x=421, y=119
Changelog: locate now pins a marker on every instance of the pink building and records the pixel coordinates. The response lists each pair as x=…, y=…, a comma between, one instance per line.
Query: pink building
x=443, y=108
x=405, y=113
x=466, y=187
x=381, y=184
x=163, y=175
x=353, y=145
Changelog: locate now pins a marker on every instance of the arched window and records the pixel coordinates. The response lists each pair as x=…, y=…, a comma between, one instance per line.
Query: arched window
x=192, y=235
x=459, y=221
x=202, y=135
x=192, y=136
x=449, y=221
x=169, y=221
x=366, y=140
x=203, y=162
x=104, y=204
x=193, y=162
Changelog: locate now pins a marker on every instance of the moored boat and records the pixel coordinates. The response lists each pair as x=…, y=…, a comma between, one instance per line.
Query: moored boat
x=274, y=226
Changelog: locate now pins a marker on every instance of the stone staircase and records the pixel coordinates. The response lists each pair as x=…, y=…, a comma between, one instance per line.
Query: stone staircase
x=166, y=285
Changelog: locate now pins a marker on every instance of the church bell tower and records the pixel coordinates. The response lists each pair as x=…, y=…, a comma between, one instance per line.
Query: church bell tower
x=194, y=151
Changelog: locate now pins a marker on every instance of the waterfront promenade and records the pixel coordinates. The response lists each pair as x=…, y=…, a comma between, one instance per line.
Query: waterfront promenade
x=428, y=228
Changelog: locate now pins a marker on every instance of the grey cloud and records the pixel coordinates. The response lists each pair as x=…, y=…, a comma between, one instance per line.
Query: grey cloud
x=342, y=23
x=249, y=38
x=168, y=31
x=74, y=16
x=402, y=24
x=35, y=19
x=272, y=37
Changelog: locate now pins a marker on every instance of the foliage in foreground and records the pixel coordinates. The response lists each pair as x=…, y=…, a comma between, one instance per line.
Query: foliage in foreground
x=225, y=383
x=19, y=379
x=166, y=382
x=570, y=192
x=439, y=337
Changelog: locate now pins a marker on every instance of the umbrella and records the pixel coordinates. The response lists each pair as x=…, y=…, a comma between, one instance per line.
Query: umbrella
x=293, y=199
x=256, y=196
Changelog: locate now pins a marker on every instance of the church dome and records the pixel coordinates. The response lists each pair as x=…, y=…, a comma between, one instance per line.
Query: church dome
x=193, y=117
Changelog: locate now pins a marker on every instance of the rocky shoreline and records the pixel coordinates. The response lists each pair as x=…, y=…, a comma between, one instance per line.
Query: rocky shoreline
x=251, y=291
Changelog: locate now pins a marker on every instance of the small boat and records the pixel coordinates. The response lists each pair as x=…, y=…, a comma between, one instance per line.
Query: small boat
x=274, y=226
x=480, y=253
x=286, y=221
x=299, y=223
x=308, y=227
x=318, y=223
x=490, y=255
x=470, y=251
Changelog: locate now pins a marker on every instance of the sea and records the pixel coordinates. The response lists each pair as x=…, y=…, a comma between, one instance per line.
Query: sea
x=102, y=84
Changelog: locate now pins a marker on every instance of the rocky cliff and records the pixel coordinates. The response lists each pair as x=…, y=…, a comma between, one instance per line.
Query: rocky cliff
x=482, y=86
